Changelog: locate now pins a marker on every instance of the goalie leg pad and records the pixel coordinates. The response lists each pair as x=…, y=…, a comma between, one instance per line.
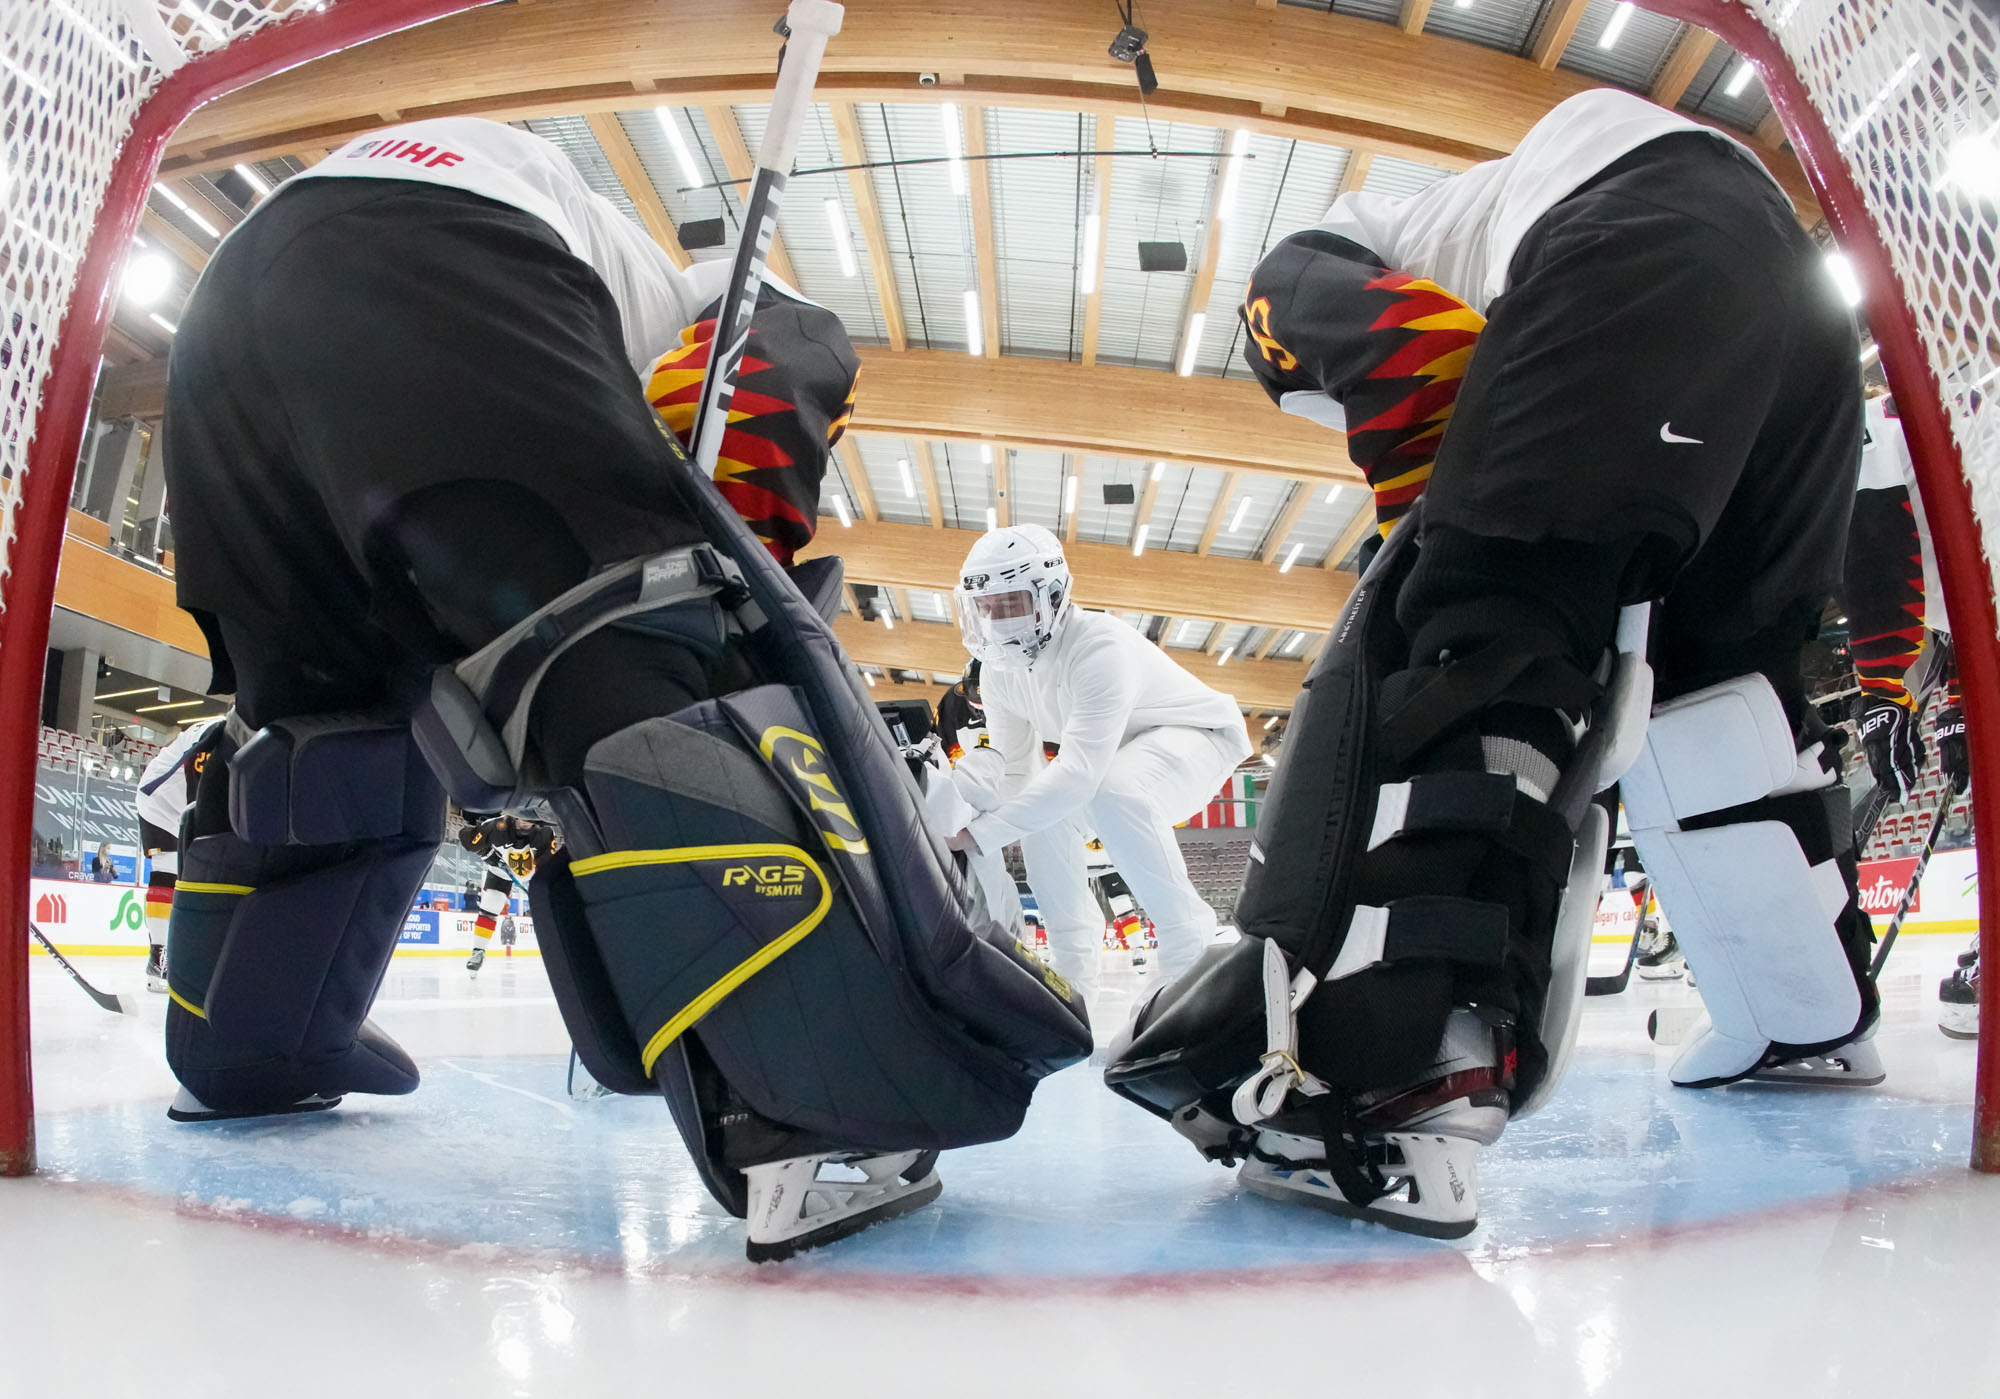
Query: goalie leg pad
x=278, y=950
x=1743, y=837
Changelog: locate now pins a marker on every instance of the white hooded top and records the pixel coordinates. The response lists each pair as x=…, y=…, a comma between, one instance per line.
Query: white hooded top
x=518, y=168
x=1462, y=231
x=1095, y=687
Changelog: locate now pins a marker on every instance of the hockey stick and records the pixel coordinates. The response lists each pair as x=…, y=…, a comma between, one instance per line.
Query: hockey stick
x=1869, y=814
x=1612, y=985
x=1916, y=877
x=117, y=1005
x=808, y=24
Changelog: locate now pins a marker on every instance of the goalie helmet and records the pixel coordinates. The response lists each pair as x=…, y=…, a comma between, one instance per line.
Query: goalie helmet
x=1013, y=595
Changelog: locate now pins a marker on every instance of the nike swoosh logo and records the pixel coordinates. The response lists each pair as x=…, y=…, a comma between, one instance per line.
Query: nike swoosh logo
x=1667, y=434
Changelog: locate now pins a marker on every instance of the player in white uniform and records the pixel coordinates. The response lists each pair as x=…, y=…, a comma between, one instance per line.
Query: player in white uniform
x=166, y=788
x=1142, y=745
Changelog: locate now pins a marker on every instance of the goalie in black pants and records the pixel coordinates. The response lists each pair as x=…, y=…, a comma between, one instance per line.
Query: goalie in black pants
x=434, y=351
x=1614, y=371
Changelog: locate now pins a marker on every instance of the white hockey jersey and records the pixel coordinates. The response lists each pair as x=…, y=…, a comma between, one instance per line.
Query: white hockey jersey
x=1095, y=687
x=1885, y=466
x=1462, y=231
x=655, y=298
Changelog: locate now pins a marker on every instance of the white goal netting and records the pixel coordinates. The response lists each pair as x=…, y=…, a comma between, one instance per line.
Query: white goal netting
x=73, y=76
x=1910, y=90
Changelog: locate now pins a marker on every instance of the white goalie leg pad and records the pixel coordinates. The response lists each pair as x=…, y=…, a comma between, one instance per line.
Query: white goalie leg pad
x=807, y=1201
x=1753, y=918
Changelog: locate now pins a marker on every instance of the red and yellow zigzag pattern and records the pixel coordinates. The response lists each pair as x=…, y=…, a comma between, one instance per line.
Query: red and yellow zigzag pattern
x=1442, y=334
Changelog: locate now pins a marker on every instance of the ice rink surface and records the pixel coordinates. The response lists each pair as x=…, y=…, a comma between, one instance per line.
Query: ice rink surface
x=491, y=1236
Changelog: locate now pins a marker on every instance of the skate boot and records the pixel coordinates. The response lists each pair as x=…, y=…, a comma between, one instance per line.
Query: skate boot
x=1409, y=1157
x=1659, y=955
x=1856, y=1064
x=807, y=1201
x=156, y=969
x=476, y=960
x=1958, y=1001
x=188, y=1108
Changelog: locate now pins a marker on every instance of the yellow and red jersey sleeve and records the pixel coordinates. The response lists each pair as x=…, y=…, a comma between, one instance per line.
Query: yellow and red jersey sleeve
x=794, y=396
x=1884, y=587
x=1324, y=315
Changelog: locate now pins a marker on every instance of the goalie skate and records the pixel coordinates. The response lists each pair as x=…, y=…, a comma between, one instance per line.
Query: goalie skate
x=795, y=1206
x=1958, y=1000
x=1855, y=1064
x=188, y=1108
x=1417, y=1149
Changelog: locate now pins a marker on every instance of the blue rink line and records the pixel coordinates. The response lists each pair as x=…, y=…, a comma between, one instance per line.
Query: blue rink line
x=490, y=1156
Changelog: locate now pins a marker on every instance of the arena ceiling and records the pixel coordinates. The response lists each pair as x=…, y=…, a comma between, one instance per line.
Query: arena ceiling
x=1018, y=365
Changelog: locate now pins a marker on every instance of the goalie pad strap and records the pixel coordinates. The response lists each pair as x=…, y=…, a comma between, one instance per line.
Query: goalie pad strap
x=1424, y=926
x=1524, y=668
x=1476, y=803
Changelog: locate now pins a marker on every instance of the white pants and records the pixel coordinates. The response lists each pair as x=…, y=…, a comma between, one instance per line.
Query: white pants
x=1158, y=779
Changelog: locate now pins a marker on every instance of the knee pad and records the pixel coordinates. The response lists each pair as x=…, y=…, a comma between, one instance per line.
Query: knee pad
x=1399, y=878
x=281, y=945
x=1748, y=842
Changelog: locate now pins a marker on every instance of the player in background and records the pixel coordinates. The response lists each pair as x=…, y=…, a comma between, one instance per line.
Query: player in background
x=1615, y=371
x=511, y=846
x=1900, y=641
x=1142, y=746
x=166, y=788
x=435, y=349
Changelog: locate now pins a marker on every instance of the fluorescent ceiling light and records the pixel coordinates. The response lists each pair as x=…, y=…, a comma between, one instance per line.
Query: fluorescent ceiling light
x=1069, y=496
x=147, y=277
x=1844, y=280
x=1332, y=494
x=1739, y=79
x=1139, y=541
x=843, y=242
x=1871, y=354
x=1159, y=470
x=1194, y=328
x=992, y=518
x=1227, y=652
x=1236, y=520
x=1293, y=644
x=1092, y=230
x=162, y=322
x=954, y=145
x=251, y=178
x=986, y=453
x=1290, y=558
x=869, y=676
x=1615, y=26
x=188, y=210
x=975, y=333
x=690, y=172
x=1270, y=723
x=909, y=481
x=1270, y=761
x=840, y=509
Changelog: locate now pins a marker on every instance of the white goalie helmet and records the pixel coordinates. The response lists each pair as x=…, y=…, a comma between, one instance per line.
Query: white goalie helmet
x=1013, y=595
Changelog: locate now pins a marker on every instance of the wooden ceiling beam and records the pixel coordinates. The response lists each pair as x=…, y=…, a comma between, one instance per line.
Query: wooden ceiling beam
x=1107, y=576
x=925, y=466
x=1363, y=521
x=1218, y=514
x=1557, y=28
x=736, y=159
x=173, y=240
x=1338, y=79
x=1211, y=258
x=868, y=210
x=984, y=254
x=1356, y=174
x=1690, y=52
x=1415, y=12
x=631, y=172
x=1288, y=519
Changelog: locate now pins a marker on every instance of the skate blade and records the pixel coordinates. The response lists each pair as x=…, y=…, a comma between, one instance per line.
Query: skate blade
x=1818, y=1071
x=186, y=1108
x=779, y=1250
x=1308, y=1185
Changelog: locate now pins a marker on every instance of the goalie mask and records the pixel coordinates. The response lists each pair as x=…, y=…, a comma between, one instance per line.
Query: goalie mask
x=1013, y=595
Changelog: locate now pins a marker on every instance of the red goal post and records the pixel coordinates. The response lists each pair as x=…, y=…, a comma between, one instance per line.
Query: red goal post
x=1892, y=105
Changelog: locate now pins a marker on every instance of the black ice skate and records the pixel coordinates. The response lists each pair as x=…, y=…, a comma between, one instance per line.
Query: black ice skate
x=1958, y=1001
x=188, y=1108
x=1411, y=1160
x=1659, y=955
x=476, y=960
x=156, y=969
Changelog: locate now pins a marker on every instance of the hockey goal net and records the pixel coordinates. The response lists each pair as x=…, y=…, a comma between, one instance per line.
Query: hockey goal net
x=1892, y=105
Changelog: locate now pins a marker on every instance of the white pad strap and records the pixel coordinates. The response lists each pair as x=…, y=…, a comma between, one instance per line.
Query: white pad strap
x=1262, y=1095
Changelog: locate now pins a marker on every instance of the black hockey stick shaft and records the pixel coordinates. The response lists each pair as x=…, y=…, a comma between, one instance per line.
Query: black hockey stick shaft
x=109, y=1002
x=1612, y=985
x=1916, y=878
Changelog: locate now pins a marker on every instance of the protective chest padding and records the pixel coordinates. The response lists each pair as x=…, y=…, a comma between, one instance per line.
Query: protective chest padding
x=736, y=898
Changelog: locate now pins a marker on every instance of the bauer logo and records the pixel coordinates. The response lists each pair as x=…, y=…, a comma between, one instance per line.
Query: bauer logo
x=801, y=764
x=771, y=881
x=1883, y=883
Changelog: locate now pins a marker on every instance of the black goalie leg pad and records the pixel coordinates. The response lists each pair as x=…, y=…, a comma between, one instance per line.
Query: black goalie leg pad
x=281, y=949
x=1394, y=868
